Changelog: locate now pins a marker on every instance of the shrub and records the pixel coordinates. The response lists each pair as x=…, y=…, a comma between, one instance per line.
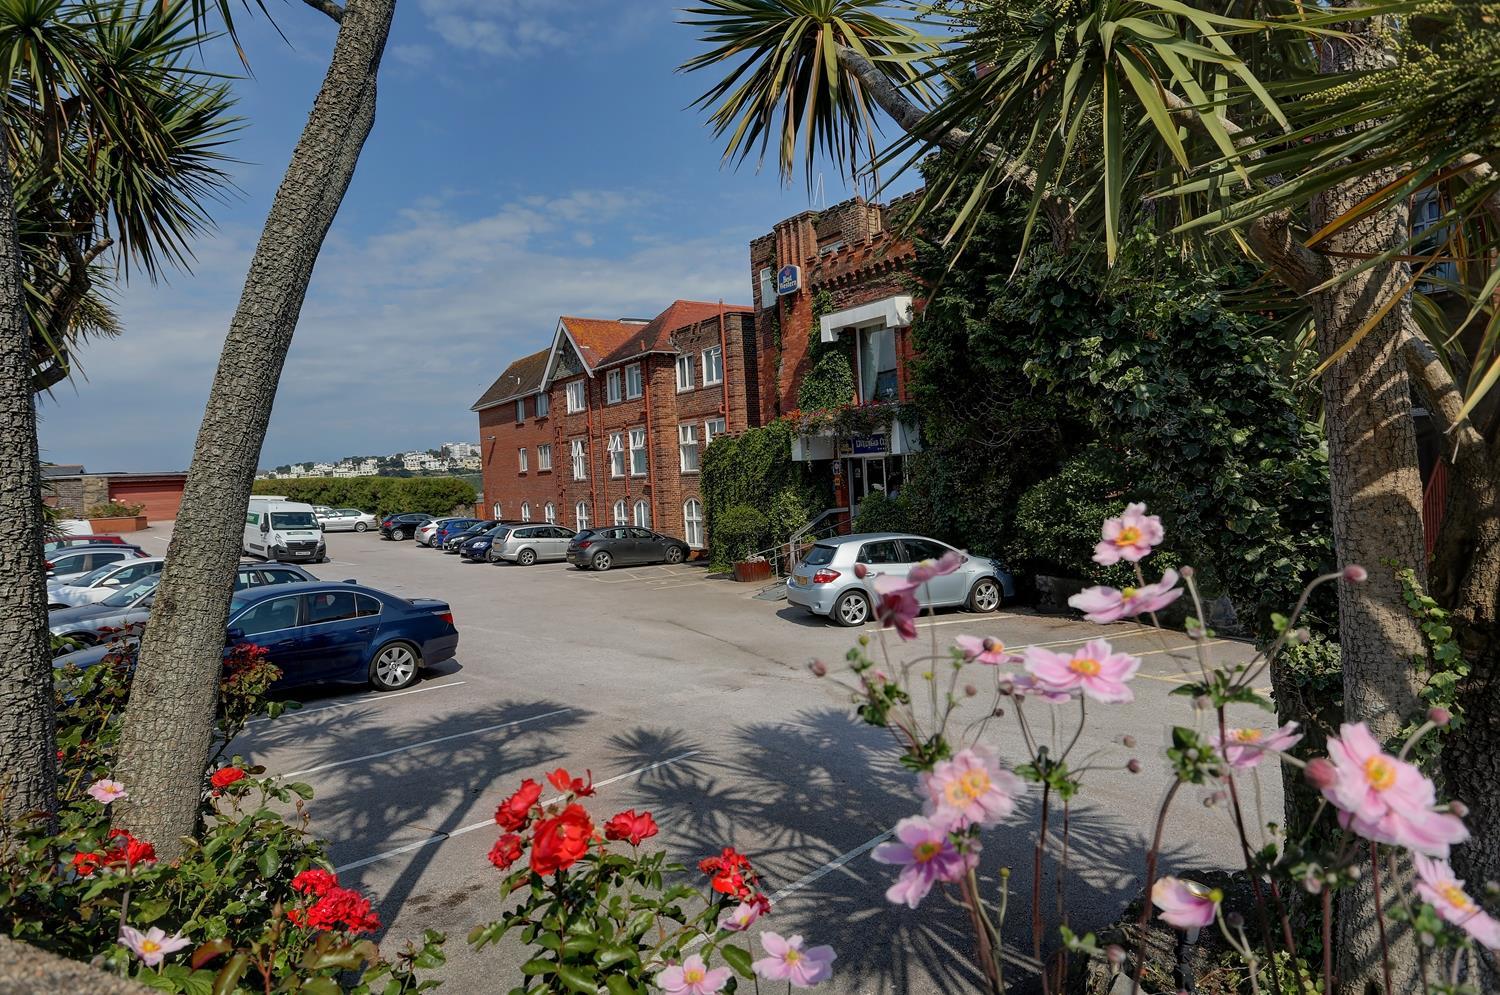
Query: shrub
x=879, y=513
x=829, y=381
x=739, y=533
x=114, y=509
x=1055, y=531
x=755, y=468
x=381, y=495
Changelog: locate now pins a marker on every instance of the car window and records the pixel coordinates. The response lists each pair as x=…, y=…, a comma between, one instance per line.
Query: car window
x=349, y=512
x=923, y=549
x=93, y=576
x=128, y=596
x=69, y=564
x=819, y=556
x=330, y=606
x=880, y=551
x=130, y=574
x=268, y=616
x=643, y=533
x=246, y=578
x=366, y=605
x=585, y=534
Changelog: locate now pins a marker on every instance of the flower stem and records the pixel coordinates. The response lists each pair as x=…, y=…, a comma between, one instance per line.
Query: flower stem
x=1036, y=888
x=1385, y=953
x=1151, y=855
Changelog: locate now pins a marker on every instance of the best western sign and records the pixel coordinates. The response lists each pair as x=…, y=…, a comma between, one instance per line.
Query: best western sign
x=788, y=280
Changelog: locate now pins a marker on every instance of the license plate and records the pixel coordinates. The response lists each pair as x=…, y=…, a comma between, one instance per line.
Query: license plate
x=801, y=579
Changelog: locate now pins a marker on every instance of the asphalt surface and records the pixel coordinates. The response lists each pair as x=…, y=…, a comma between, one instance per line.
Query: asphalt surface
x=688, y=697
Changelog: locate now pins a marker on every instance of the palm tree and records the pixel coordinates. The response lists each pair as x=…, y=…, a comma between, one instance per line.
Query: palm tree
x=1267, y=129
x=111, y=142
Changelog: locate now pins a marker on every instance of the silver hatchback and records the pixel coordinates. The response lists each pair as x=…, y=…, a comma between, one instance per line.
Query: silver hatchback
x=825, y=582
x=528, y=544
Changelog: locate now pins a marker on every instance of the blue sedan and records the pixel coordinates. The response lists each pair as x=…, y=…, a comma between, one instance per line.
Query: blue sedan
x=325, y=632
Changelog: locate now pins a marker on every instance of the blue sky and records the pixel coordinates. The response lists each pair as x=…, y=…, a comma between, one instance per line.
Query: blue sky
x=530, y=158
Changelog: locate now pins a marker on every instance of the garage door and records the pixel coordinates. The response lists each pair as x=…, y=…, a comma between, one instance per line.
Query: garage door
x=161, y=498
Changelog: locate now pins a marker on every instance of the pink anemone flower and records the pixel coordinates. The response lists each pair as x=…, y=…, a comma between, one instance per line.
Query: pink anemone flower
x=789, y=962
x=971, y=788
x=1108, y=604
x=1439, y=888
x=1024, y=685
x=692, y=977
x=1185, y=904
x=1094, y=669
x=990, y=651
x=744, y=915
x=1129, y=537
x=898, y=608
x=925, y=850
x=1386, y=799
x=1246, y=748
x=105, y=791
x=928, y=569
x=153, y=945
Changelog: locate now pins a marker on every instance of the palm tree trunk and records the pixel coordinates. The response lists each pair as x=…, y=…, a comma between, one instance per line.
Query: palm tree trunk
x=28, y=759
x=168, y=725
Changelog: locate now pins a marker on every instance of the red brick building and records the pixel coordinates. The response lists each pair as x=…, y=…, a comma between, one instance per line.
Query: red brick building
x=608, y=424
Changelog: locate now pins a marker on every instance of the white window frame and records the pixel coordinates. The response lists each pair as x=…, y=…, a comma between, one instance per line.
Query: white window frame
x=633, y=381
x=684, y=373
x=520, y=410
x=641, y=515
x=521, y=462
x=549, y=512
x=577, y=396
x=495, y=510
x=525, y=511
x=581, y=515
x=614, y=387
x=712, y=377
x=617, y=454
x=544, y=456
x=692, y=522
x=687, y=441
x=580, y=456
x=712, y=429
x=543, y=405
x=619, y=515
x=638, y=447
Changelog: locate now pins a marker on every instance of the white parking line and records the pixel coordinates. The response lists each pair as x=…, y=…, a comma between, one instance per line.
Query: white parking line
x=367, y=700
x=490, y=822
x=418, y=746
x=831, y=866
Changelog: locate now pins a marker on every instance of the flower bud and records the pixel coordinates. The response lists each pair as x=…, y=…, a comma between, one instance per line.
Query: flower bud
x=1459, y=809
x=1133, y=765
x=1186, y=572
x=1355, y=872
x=864, y=640
x=1312, y=884
x=1127, y=741
x=991, y=644
x=999, y=712
x=1492, y=888
x=1234, y=920
x=970, y=690
x=861, y=571
x=1302, y=635
x=1115, y=954
x=1439, y=716
x=1320, y=773
x=819, y=668
x=1356, y=574
x=1007, y=687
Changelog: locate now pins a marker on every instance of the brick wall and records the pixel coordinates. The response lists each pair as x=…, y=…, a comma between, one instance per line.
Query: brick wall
x=500, y=439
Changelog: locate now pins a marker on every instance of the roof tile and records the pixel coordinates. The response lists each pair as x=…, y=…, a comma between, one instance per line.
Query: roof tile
x=522, y=377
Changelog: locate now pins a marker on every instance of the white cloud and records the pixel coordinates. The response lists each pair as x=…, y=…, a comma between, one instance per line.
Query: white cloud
x=512, y=29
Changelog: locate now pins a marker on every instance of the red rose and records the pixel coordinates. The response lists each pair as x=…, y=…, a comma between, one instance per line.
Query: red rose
x=225, y=776
x=629, y=826
x=515, y=810
x=314, y=881
x=506, y=851
x=130, y=851
x=732, y=873
x=560, y=841
x=87, y=863
x=339, y=908
x=562, y=781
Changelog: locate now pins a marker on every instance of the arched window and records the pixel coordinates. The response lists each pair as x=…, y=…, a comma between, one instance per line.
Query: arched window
x=496, y=509
x=643, y=513
x=549, y=512
x=619, y=518
x=581, y=515
x=692, y=523
x=525, y=511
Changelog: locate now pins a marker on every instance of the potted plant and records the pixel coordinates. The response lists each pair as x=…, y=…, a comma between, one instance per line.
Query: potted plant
x=112, y=516
x=752, y=569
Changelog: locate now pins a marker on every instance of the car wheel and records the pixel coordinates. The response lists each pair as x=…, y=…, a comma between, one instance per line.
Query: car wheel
x=398, y=534
x=526, y=557
x=602, y=560
x=674, y=554
x=985, y=596
x=360, y=526
x=852, y=609
x=395, y=667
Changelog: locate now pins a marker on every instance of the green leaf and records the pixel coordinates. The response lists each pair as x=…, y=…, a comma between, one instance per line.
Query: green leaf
x=538, y=965
x=737, y=958
x=579, y=979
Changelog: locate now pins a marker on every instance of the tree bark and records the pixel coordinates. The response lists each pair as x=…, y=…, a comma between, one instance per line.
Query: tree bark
x=1376, y=495
x=28, y=744
x=168, y=725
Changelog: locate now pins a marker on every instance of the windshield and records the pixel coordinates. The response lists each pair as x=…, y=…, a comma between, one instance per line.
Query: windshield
x=94, y=576
x=293, y=520
x=128, y=596
x=584, y=534
x=818, y=556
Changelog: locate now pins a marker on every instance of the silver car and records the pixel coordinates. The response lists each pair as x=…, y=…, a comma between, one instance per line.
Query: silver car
x=101, y=582
x=528, y=544
x=824, y=582
x=346, y=519
x=423, y=535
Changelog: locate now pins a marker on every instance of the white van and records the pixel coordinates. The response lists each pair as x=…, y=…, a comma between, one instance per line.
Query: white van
x=278, y=529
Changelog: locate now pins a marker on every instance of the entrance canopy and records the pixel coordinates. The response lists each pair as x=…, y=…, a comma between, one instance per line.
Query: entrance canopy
x=892, y=312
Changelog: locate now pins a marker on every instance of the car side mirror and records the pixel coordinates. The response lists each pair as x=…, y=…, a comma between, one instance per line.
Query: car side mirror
x=233, y=636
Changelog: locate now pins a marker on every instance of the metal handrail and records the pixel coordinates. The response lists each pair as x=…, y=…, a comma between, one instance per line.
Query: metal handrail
x=772, y=554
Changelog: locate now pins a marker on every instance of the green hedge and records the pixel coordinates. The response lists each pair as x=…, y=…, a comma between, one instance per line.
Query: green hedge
x=381, y=495
x=755, y=468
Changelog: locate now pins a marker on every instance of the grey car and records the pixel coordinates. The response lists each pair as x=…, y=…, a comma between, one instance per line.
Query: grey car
x=345, y=519
x=528, y=544
x=81, y=559
x=825, y=583
x=624, y=545
x=100, y=582
x=129, y=607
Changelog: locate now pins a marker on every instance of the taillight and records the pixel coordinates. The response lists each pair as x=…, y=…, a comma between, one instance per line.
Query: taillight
x=446, y=617
x=50, y=564
x=585, y=544
x=825, y=577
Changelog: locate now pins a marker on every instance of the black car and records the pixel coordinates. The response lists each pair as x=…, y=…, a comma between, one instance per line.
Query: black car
x=624, y=545
x=456, y=539
x=399, y=527
x=476, y=546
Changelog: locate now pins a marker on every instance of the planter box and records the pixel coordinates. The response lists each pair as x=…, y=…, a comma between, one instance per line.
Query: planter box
x=751, y=571
x=102, y=526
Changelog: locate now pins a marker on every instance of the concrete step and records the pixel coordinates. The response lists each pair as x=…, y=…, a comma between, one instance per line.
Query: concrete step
x=775, y=592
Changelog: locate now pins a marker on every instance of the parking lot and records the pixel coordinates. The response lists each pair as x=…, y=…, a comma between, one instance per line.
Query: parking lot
x=687, y=696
